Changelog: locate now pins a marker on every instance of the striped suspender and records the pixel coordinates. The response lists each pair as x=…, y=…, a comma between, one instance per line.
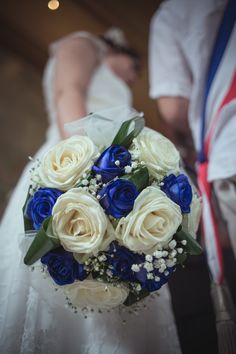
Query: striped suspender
x=210, y=225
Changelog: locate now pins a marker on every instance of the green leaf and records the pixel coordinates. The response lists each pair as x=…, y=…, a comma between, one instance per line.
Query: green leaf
x=123, y=137
x=181, y=258
x=41, y=244
x=192, y=246
x=28, y=224
x=133, y=298
x=140, y=178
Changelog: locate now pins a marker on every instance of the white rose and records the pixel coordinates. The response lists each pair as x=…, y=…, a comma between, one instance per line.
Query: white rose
x=96, y=294
x=158, y=153
x=79, y=222
x=64, y=164
x=191, y=221
x=107, y=239
x=152, y=222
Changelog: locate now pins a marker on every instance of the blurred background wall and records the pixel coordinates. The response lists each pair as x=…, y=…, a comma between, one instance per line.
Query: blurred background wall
x=27, y=28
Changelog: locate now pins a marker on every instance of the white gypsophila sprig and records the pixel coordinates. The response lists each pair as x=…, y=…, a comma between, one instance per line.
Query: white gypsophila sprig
x=136, y=288
x=148, y=266
x=165, y=258
x=149, y=258
x=34, y=176
x=91, y=184
x=135, y=268
x=128, y=169
x=134, y=150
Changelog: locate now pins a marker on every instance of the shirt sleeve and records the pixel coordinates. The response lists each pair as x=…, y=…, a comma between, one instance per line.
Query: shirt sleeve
x=98, y=43
x=169, y=73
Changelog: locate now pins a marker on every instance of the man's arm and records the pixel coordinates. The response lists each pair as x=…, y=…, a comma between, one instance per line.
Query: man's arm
x=174, y=110
x=170, y=76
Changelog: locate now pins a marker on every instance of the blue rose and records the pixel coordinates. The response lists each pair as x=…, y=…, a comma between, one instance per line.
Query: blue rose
x=178, y=189
x=40, y=205
x=111, y=162
x=62, y=267
x=121, y=259
x=151, y=284
x=117, y=197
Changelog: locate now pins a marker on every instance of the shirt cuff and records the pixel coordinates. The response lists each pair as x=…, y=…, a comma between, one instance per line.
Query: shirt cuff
x=170, y=89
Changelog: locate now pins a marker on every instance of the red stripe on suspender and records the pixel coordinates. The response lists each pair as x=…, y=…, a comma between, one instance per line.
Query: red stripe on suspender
x=203, y=171
x=206, y=188
x=230, y=95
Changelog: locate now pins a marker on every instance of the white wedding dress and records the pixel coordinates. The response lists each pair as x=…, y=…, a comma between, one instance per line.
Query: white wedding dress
x=33, y=318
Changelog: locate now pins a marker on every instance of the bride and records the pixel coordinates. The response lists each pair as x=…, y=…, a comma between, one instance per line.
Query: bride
x=84, y=74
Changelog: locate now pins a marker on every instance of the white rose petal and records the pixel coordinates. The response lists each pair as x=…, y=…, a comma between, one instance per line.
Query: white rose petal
x=191, y=221
x=158, y=153
x=152, y=222
x=79, y=222
x=96, y=294
x=107, y=239
x=64, y=164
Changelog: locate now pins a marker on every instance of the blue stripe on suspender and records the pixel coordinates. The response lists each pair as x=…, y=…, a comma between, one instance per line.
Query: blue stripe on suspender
x=221, y=42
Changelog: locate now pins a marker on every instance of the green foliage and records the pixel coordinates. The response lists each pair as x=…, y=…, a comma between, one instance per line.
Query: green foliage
x=41, y=244
x=192, y=247
x=28, y=224
x=140, y=178
x=124, y=137
x=181, y=258
x=133, y=298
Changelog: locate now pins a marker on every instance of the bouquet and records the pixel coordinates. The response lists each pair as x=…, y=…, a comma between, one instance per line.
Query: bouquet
x=111, y=223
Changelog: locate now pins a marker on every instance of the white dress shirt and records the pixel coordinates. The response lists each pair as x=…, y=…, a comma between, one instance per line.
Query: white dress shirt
x=182, y=36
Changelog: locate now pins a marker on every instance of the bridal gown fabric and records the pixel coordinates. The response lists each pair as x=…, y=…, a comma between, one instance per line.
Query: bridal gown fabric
x=33, y=316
